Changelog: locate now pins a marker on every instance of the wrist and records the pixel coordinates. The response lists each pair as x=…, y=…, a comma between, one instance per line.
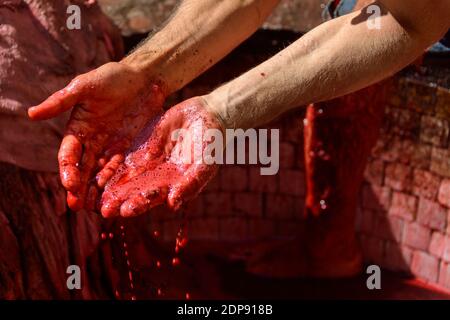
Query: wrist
x=148, y=67
x=216, y=108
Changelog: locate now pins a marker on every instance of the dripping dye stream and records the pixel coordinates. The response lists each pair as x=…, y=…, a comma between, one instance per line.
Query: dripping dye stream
x=140, y=271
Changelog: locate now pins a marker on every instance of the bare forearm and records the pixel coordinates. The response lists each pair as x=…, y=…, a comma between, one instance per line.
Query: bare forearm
x=334, y=59
x=200, y=33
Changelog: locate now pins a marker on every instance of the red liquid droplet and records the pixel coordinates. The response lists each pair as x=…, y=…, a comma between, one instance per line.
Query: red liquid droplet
x=158, y=264
x=133, y=298
x=159, y=292
x=175, y=261
x=111, y=236
x=156, y=233
x=188, y=296
x=103, y=236
x=121, y=228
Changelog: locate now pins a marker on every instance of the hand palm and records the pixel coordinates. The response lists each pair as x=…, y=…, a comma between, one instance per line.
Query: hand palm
x=157, y=169
x=111, y=105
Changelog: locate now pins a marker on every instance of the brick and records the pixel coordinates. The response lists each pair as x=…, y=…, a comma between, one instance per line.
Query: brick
x=420, y=97
x=389, y=148
x=398, y=176
x=261, y=229
x=403, y=122
x=431, y=214
x=440, y=161
x=233, y=229
x=233, y=178
x=281, y=206
x=443, y=101
x=437, y=244
x=287, y=155
x=403, y=206
x=374, y=172
x=217, y=204
x=446, y=255
x=389, y=228
x=259, y=183
x=376, y=198
x=204, y=229
x=425, y=266
x=397, y=258
x=448, y=223
x=249, y=204
x=444, y=274
x=425, y=184
x=444, y=193
x=420, y=156
x=292, y=182
x=417, y=236
x=435, y=131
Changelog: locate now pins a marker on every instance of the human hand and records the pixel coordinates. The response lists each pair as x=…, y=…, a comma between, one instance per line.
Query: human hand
x=161, y=166
x=111, y=105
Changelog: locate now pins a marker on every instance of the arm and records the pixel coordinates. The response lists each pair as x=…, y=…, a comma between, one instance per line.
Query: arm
x=113, y=103
x=199, y=34
x=334, y=59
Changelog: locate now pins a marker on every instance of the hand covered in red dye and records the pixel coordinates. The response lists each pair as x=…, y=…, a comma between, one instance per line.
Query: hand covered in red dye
x=110, y=106
x=161, y=166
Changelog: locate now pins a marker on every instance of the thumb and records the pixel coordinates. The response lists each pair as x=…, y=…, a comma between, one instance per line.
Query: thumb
x=58, y=102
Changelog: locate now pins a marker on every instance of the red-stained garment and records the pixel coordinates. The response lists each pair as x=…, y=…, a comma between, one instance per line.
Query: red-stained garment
x=38, y=56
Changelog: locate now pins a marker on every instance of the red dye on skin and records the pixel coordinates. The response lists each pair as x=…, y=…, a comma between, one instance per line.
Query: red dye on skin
x=156, y=168
x=175, y=262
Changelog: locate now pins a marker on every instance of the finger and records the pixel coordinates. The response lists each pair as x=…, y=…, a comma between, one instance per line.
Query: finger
x=110, y=207
x=69, y=157
x=86, y=168
x=141, y=203
x=73, y=202
x=109, y=169
x=58, y=102
x=190, y=185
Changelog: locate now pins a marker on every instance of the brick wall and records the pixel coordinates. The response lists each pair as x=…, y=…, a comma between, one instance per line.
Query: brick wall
x=404, y=203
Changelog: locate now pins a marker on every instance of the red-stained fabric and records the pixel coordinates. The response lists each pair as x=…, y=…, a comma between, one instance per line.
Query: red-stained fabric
x=38, y=56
